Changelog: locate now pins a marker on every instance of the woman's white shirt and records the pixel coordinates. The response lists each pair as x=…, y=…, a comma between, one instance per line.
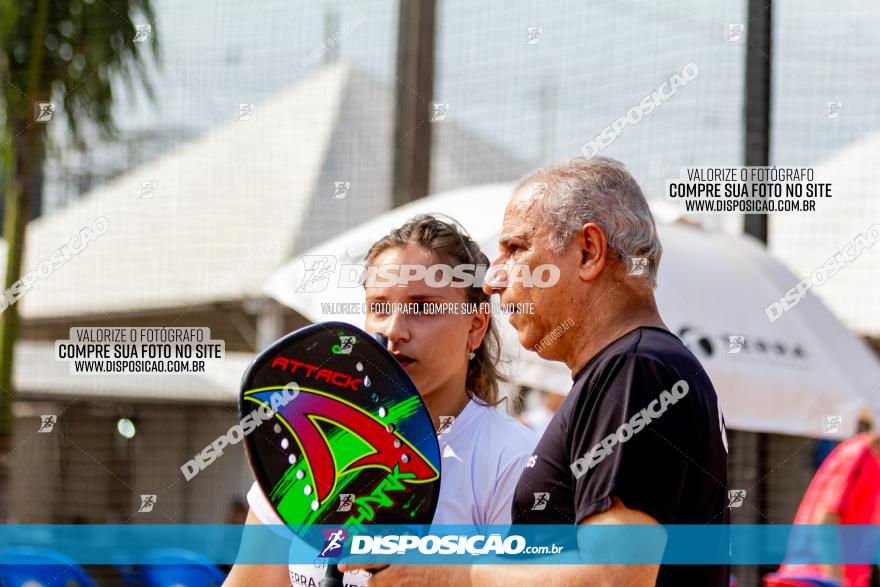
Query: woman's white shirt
x=482, y=454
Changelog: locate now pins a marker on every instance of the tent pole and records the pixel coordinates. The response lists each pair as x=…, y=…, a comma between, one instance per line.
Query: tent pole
x=415, y=89
x=757, y=118
x=758, y=99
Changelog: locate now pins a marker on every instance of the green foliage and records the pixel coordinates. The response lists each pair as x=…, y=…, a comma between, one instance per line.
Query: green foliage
x=72, y=53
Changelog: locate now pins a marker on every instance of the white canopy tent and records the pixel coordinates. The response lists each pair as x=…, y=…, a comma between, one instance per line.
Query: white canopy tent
x=211, y=219
x=788, y=377
x=805, y=241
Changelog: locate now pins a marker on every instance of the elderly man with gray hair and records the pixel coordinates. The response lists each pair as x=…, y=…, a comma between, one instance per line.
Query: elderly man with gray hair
x=640, y=438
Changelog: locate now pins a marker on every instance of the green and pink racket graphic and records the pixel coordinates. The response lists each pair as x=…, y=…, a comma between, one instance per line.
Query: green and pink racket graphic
x=350, y=441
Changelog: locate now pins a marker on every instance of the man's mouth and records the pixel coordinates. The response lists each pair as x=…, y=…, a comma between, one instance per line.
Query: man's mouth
x=403, y=359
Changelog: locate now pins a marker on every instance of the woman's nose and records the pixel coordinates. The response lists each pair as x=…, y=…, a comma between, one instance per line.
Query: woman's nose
x=396, y=328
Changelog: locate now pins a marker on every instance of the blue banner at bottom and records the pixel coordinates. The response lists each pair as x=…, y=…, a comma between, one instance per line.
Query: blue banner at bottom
x=453, y=544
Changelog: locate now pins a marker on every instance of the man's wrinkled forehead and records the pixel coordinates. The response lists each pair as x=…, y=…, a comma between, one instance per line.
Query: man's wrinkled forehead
x=531, y=192
x=525, y=202
x=521, y=217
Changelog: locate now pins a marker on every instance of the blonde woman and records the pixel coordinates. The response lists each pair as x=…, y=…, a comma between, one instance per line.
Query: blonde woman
x=452, y=358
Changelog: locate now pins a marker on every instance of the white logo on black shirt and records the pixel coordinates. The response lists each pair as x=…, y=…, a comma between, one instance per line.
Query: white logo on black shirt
x=541, y=500
x=735, y=497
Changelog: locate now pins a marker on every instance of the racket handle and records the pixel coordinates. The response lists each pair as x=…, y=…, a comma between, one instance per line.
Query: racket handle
x=332, y=578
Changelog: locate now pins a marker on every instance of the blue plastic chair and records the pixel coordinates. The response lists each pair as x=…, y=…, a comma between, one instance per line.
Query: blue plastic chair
x=167, y=567
x=131, y=575
x=20, y=565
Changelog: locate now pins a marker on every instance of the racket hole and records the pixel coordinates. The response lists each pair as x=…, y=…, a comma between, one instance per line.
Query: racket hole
x=315, y=505
x=374, y=397
x=382, y=412
x=300, y=474
x=367, y=381
x=291, y=459
x=397, y=443
x=389, y=428
x=307, y=489
x=285, y=443
x=404, y=458
x=359, y=366
x=277, y=428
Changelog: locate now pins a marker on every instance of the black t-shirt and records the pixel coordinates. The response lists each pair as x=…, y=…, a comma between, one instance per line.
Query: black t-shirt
x=641, y=424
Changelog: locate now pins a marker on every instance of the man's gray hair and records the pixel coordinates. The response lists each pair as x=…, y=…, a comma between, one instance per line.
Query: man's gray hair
x=600, y=190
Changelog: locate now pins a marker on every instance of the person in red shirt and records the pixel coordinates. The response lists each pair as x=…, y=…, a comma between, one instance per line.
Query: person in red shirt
x=845, y=490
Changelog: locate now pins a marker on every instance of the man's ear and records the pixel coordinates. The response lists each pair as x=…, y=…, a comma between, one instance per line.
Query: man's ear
x=593, y=251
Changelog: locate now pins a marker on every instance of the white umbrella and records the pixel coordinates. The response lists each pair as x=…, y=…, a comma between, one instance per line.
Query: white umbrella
x=854, y=175
x=802, y=374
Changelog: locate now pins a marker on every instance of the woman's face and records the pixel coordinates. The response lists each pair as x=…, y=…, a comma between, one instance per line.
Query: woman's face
x=432, y=348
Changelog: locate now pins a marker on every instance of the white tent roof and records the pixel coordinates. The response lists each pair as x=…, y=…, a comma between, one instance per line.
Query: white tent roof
x=234, y=204
x=805, y=241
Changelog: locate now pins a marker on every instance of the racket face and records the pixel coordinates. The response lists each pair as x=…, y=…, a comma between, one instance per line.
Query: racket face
x=350, y=441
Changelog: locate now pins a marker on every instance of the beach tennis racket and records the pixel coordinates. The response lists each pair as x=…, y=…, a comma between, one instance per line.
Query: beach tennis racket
x=348, y=441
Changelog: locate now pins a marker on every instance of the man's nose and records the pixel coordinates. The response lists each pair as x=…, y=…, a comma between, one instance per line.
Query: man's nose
x=491, y=283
